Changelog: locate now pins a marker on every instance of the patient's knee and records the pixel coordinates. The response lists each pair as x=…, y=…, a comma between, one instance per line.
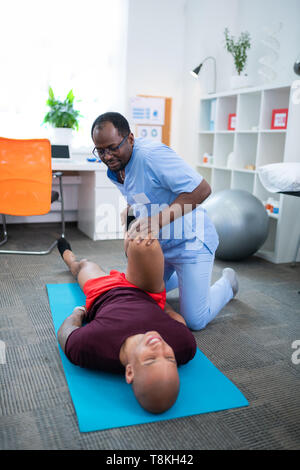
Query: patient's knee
x=142, y=247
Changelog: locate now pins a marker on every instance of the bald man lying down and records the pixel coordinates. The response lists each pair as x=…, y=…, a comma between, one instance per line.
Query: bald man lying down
x=126, y=325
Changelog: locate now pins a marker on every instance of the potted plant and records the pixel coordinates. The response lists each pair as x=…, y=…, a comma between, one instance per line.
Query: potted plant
x=238, y=48
x=62, y=117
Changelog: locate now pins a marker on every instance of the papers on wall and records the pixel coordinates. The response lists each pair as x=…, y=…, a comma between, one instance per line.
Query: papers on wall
x=147, y=110
x=149, y=132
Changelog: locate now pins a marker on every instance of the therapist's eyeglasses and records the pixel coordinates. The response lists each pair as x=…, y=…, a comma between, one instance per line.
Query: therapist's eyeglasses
x=99, y=153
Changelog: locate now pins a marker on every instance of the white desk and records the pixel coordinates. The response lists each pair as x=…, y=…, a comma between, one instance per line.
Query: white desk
x=99, y=201
x=76, y=164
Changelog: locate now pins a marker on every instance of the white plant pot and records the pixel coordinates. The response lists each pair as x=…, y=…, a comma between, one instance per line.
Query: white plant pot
x=239, y=81
x=61, y=136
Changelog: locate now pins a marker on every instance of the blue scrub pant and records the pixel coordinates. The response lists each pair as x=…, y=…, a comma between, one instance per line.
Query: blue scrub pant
x=199, y=301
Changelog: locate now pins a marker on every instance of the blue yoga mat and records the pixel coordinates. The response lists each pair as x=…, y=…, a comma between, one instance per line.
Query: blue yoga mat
x=104, y=400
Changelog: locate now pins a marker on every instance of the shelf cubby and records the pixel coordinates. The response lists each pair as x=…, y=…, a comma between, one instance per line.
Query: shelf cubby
x=221, y=179
x=245, y=150
x=248, y=113
x=223, y=146
x=206, y=145
x=277, y=98
x=205, y=115
x=270, y=148
x=226, y=105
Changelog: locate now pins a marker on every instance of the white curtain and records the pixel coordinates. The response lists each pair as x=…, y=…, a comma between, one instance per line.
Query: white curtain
x=65, y=44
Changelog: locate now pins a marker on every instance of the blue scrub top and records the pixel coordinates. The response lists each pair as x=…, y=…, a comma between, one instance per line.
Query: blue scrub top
x=154, y=176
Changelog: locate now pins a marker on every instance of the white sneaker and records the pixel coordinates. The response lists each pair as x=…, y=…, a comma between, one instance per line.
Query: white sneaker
x=230, y=274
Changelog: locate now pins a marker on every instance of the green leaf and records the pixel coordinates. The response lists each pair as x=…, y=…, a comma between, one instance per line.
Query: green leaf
x=70, y=96
x=51, y=94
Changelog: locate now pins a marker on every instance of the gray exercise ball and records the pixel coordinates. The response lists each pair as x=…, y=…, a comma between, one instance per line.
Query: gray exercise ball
x=241, y=221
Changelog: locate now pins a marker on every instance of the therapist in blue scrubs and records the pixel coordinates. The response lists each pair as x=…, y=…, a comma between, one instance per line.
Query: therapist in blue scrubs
x=165, y=194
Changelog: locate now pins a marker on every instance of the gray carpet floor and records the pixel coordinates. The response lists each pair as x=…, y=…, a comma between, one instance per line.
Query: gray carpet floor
x=250, y=341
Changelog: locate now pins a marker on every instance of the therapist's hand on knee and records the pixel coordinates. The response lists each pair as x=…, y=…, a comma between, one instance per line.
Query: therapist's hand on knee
x=147, y=227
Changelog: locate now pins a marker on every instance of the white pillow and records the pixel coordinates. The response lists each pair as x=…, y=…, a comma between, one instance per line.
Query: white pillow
x=280, y=176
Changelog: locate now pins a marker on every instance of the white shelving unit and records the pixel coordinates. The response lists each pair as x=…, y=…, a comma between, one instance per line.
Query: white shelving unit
x=253, y=144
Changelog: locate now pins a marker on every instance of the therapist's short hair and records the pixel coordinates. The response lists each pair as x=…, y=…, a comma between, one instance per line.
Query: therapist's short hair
x=118, y=121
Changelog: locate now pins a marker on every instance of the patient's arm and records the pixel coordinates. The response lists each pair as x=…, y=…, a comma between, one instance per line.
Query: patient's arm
x=70, y=324
x=176, y=316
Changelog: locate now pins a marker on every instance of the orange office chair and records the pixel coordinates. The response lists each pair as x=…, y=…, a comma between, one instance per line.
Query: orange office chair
x=26, y=183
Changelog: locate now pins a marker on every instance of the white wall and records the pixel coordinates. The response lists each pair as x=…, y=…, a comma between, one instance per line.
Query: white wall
x=168, y=38
x=254, y=15
x=155, y=53
x=205, y=24
x=204, y=35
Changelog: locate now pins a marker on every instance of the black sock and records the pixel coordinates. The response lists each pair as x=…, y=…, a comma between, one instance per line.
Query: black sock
x=130, y=218
x=62, y=245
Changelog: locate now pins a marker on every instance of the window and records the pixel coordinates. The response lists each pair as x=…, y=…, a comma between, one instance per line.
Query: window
x=65, y=44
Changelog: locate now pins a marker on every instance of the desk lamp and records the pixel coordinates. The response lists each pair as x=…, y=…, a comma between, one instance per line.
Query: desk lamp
x=196, y=71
